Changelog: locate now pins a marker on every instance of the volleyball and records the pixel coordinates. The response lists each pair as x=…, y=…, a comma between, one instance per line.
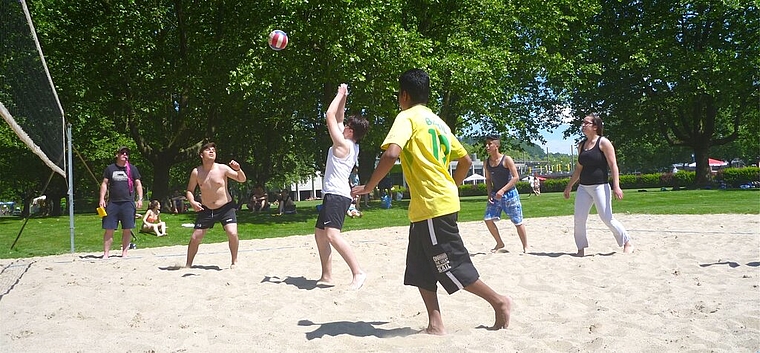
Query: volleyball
x=278, y=40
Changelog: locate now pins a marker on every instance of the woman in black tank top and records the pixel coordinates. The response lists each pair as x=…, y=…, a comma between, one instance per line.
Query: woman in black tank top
x=596, y=161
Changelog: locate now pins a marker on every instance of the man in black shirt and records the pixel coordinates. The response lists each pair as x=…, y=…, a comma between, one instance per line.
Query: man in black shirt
x=120, y=180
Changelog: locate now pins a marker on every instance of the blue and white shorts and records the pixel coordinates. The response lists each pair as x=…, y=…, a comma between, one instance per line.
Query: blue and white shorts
x=509, y=204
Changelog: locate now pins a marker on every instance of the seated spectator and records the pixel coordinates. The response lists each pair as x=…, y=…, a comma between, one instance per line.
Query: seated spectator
x=353, y=212
x=285, y=203
x=259, y=200
x=178, y=203
x=152, y=220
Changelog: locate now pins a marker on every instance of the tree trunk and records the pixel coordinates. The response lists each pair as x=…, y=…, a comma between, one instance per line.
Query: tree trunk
x=704, y=173
x=161, y=179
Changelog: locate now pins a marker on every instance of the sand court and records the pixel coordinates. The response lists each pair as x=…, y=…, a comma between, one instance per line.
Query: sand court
x=691, y=285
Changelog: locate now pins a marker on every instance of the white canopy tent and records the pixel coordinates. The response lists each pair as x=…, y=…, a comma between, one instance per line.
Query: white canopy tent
x=475, y=179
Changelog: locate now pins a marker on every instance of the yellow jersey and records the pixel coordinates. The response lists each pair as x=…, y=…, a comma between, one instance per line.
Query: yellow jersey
x=428, y=146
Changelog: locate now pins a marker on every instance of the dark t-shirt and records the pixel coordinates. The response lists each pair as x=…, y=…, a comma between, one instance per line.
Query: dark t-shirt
x=595, y=169
x=500, y=175
x=118, y=186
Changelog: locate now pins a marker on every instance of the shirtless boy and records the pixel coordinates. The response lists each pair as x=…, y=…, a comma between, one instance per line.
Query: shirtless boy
x=217, y=206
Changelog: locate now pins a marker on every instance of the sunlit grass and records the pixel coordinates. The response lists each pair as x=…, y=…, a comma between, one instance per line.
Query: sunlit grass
x=48, y=236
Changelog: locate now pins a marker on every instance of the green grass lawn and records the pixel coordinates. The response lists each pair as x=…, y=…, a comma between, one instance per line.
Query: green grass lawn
x=50, y=235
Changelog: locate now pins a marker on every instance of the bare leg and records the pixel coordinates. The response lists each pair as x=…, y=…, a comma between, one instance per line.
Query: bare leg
x=628, y=247
x=435, y=322
x=495, y=233
x=522, y=233
x=192, y=247
x=343, y=248
x=325, y=255
x=502, y=304
x=126, y=236
x=232, y=236
x=107, y=242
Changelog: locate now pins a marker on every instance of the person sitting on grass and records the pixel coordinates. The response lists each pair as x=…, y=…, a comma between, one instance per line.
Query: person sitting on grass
x=285, y=203
x=259, y=200
x=152, y=220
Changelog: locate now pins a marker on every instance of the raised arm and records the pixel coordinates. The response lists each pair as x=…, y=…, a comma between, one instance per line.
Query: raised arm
x=236, y=172
x=334, y=119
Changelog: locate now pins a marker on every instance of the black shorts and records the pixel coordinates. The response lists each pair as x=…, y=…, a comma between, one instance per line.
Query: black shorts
x=123, y=211
x=224, y=215
x=436, y=253
x=333, y=211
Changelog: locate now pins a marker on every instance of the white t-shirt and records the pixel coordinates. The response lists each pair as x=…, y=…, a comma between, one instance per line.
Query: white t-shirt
x=337, y=172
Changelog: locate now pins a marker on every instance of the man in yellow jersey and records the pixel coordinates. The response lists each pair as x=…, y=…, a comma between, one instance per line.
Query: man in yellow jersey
x=436, y=253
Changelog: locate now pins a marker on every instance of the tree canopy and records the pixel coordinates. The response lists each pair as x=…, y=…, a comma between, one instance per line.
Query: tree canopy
x=166, y=76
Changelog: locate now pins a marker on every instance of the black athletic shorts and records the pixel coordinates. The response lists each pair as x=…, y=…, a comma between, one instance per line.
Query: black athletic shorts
x=224, y=215
x=333, y=211
x=436, y=253
x=123, y=211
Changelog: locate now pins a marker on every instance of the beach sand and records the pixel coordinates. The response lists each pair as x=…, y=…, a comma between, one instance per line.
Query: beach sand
x=690, y=286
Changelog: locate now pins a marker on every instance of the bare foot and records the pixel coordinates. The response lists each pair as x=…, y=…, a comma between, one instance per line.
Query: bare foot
x=358, y=281
x=581, y=252
x=440, y=331
x=525, y=250
x=497, y=248
x=502, y=310
x=628, y=248
x=325, y=283
x=232, y=266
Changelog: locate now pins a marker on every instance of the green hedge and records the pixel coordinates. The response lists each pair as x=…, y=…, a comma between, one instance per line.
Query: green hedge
x=733, y=178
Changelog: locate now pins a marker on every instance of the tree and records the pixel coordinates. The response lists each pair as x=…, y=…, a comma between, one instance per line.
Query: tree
x=677, y=71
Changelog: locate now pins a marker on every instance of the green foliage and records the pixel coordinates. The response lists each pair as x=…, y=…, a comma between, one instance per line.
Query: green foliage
x=684, y=178
x=162, y=77
x=680, y=73
x=472, y=190
x=736, y=177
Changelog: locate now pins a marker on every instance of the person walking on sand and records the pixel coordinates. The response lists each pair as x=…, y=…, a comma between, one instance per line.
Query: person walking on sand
x=501, y=178
x=596, y=158
x=337, y=198
x=121, y=180
x=217, y=206
x=436, y=252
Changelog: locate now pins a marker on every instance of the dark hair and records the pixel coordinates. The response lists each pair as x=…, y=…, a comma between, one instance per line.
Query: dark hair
x=153, y=204
x=492, y=137
x=598, y=123
x=359, y=125
x=206, y=146
x=416, y=83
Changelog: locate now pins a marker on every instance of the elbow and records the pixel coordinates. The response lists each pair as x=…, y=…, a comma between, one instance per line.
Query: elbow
x=465, y=161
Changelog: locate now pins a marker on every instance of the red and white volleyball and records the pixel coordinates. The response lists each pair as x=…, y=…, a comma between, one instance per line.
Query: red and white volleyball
x=278, y=40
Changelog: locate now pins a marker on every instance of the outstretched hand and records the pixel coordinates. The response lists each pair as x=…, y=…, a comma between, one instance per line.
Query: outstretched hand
x=359, y=190
x=343, y=89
